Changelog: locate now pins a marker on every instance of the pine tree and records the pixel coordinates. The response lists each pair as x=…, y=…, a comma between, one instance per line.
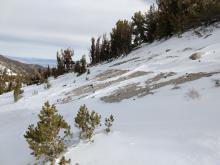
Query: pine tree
x=2, y=83
x=63, y=161
x=92, y=50
x=108, y=123
x=151, y=19
x=77, y=67
x=83, y=64
x=87, y=122
x=138, y=29
x=17, y=91
x=97, y=50
x=2, y=87
x=46, y=140
x=67, y=58
x=60, y=65
x=121, y=37
x=105, y=52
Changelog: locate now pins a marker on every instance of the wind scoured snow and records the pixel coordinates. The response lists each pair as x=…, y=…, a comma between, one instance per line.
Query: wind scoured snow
x=168, y=127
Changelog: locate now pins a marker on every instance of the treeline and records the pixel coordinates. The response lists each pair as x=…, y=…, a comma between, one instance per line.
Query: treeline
x=166, y=18
x=65, y=64
x=9, y=82
x=162, y=20
x=120, y=43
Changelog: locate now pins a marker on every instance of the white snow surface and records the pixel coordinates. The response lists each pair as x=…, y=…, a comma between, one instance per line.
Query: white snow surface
x=8, y=71
x=167, y=128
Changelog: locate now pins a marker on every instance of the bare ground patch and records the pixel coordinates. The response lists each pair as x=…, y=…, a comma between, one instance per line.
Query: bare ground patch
x=123, y=62
x=110, y=74
x=133, y=90
x=92, y=88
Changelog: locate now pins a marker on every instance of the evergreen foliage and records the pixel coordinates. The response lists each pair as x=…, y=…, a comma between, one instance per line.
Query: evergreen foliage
x=166, y=18
x=81, y=66
x=60, y=65
x=138, y=29
x=8, y=81
x=120, y=43
x=2, y=86
x=108, y=123
x=121, y=38
x=100, y=49
x=63, y=161
x=67, y=58
x=46, y=140
x=17, y=91
x=87, y=122
x=92, y=50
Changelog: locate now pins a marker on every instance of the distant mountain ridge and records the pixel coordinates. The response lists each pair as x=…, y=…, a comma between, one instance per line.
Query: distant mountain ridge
x=36, y=61
x=16, y=67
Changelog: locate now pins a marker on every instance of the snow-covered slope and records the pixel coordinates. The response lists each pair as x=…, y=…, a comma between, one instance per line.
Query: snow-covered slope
x=166, y=107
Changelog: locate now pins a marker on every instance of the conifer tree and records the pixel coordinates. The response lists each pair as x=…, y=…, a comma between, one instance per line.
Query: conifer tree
x=63, y=161
x=121, y=37
x=151, y=24
x=138, y=29
x=17, y=91
x=108, y=123
x=46, y=140
x=105, y=52
x=2, y=87
x=83, y=65
x=2, y=83
x=92, y=50
x=97, y=50
x=67, y=58
x=87, y=122
x=60, y=65
x=77, y=67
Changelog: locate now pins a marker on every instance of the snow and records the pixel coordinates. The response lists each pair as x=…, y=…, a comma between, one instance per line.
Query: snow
x=8, y=71
x=166, y=128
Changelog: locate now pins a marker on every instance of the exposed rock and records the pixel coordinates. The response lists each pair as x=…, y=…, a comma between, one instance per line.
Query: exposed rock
x=196, y=56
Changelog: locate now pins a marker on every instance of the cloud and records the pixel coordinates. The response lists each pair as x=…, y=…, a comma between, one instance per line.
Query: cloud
x=48, y=25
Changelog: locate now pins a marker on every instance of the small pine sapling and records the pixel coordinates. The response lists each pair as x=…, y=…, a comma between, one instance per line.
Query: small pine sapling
x=63, y=161
x=46, y=140
x=17, y=91
x=87, y=122
x=108, y=123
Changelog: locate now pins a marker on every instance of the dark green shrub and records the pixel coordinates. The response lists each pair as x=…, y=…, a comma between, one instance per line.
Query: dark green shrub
x=63, y=161
x=87, y=122
x=17, y=91
x=46, y=140
x=108, y=123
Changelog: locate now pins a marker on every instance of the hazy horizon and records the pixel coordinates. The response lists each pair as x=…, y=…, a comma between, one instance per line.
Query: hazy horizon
x=38, y=29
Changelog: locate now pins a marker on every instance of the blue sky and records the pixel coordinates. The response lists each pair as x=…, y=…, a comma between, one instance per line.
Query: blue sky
x=38, y=28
